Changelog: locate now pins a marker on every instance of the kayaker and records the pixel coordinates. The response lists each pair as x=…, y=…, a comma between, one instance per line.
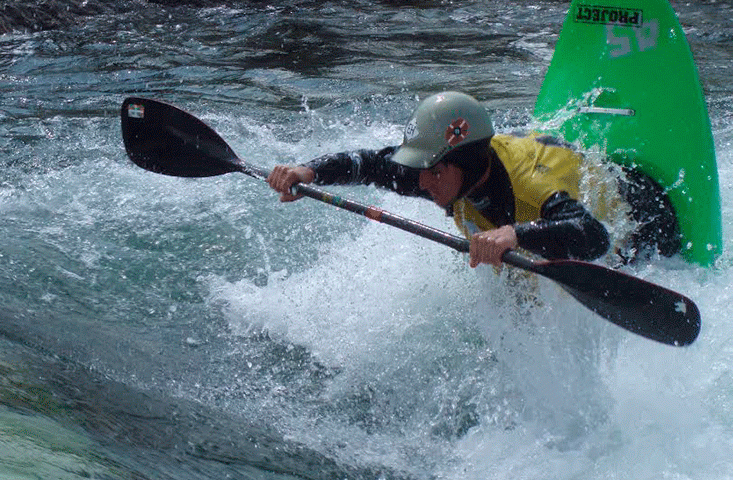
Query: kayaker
x=503, y=191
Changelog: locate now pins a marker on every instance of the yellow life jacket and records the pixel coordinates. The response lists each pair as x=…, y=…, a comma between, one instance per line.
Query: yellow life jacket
x=536, y=170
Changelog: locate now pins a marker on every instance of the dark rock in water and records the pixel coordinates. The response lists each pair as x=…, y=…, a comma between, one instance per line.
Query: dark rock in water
x=34, y=15
x=192, y=3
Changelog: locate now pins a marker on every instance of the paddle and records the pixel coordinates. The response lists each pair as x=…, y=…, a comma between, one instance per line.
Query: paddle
x=164, y=139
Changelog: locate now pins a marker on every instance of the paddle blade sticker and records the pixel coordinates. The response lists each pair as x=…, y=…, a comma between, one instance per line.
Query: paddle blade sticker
x=136, y=110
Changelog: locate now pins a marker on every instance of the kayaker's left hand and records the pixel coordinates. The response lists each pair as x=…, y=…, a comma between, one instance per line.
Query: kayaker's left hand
x=489, y=246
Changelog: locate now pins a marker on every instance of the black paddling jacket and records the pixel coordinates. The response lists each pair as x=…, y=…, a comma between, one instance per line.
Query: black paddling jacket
x=532, y=185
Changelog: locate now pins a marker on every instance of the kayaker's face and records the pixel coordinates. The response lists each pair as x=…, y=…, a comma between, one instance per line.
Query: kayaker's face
x=442, y=182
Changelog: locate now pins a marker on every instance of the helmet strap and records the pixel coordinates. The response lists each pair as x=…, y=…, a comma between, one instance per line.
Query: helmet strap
x=474, y=161
x=479, y=182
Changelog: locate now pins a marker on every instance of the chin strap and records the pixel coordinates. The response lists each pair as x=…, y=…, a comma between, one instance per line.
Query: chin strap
x=478, y=183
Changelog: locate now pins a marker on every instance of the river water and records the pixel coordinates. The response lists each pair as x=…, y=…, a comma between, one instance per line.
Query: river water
x=156, y=327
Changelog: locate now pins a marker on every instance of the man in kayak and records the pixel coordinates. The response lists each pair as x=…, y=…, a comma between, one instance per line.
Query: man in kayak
x=503, y=191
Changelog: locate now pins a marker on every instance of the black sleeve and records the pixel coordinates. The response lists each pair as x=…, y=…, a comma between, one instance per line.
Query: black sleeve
x=566, y=230
x=366, y=167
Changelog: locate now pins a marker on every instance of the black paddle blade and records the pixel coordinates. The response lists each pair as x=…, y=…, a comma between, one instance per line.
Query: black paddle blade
x=641, y=307
x=164, y=139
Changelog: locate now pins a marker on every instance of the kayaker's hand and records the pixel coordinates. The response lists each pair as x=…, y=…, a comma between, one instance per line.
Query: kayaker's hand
x=283, y=177
x=489, y=246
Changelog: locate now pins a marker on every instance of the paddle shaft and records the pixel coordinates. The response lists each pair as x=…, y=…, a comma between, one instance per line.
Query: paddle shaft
x=377, y=214
x=370, y=212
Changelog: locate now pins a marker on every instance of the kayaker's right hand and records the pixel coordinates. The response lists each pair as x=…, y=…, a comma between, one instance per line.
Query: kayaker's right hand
x=283, y=177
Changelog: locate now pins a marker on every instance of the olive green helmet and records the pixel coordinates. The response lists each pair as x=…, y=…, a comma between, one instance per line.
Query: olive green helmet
x=441, y=123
